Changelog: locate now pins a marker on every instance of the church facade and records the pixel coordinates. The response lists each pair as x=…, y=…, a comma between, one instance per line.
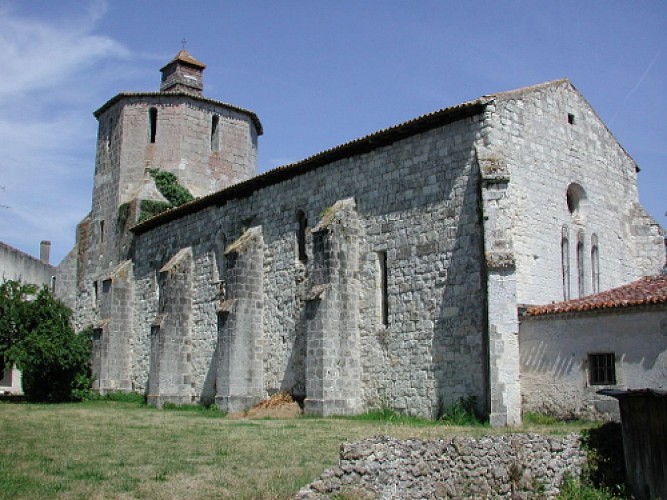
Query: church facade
x=386, y=271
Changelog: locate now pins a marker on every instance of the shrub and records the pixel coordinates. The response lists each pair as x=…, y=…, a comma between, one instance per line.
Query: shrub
x=462, y=412
x=37, y=336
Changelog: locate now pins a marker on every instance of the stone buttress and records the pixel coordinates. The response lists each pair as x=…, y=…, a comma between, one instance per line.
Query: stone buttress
x=240, y=375
x=170, y=377
x=502, y=319
x=112, y=342
x=333, y=373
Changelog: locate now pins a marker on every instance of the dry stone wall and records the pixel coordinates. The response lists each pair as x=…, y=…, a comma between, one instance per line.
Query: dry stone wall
x=517, y=466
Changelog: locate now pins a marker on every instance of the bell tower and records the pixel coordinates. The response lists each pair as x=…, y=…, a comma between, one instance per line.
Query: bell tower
x=207, y=145
x=183, y=74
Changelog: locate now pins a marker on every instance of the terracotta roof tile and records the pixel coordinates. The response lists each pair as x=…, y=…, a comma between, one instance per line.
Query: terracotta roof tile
x=644, y=291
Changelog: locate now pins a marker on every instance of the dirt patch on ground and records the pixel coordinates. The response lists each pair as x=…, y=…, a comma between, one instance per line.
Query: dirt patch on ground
x=280, y=405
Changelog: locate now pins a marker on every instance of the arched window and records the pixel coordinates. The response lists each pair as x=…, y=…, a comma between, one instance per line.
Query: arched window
x=595, y=264
x=580, y=264
x=301, y=235
x=152, y=119
x=576, y=199
x=215, y=133
x=565, y=262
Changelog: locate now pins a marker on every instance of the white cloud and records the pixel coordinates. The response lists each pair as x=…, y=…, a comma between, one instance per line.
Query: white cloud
x=55, y=73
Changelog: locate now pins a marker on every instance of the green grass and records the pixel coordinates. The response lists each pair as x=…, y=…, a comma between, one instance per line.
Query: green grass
x=120, y=448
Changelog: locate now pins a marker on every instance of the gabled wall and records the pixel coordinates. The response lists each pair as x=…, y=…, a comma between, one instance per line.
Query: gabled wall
x=552, y=139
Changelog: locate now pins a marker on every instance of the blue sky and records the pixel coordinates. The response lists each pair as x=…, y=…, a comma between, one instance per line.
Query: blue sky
x=316, y=73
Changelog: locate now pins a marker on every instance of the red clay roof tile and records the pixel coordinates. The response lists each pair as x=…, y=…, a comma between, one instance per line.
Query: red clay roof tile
x=647, y=290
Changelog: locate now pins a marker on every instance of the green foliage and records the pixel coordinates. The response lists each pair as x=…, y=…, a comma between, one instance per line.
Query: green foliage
x=123, y=213
x=36, y=335
x=539, y=419
x=203, y=410
x=15, y=314
x=391, y=416
x=572, y=489
x=167, y=184
x=150, y=208
x=462, y=413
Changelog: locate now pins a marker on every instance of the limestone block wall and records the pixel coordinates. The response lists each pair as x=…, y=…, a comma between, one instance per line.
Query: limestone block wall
x=417, y=206
x=517, y=466
x=553, y=140
x=555, y=375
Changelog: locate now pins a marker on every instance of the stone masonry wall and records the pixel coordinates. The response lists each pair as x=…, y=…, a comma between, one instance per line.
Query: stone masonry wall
x=517, y=466
x=416, y=202
x=551, y=140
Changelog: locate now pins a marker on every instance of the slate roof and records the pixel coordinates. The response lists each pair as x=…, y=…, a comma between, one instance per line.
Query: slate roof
x=644, y=291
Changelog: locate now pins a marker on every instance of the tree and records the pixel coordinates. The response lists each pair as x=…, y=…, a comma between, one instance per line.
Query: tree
x=36, y=335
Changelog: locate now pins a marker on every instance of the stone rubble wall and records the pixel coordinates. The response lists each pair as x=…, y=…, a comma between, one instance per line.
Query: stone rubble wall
x=513, y=466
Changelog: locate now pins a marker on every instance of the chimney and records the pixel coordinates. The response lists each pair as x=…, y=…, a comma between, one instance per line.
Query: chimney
x=45, y=251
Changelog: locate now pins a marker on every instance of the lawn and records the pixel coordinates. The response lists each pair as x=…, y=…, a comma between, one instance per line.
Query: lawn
x=107, y=449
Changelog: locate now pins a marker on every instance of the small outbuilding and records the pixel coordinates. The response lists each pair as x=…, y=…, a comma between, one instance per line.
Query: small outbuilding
x=615, y=339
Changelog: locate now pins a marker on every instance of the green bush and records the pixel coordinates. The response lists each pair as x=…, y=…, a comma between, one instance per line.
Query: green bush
x=36, y=335
x=462, y=412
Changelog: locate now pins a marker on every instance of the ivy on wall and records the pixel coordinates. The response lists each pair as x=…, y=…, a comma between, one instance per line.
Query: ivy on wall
x=167, y=184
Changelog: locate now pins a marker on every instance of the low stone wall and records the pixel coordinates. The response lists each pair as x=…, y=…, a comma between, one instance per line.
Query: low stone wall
x=513, y=466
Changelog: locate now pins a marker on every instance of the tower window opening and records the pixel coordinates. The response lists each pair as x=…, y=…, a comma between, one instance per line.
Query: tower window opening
x=570, y=118
x=215, y=133
x=101, y=231
x=301, y=235
x=152, y=118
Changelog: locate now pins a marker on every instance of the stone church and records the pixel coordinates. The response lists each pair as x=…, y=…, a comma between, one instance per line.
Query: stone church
x=386, y=271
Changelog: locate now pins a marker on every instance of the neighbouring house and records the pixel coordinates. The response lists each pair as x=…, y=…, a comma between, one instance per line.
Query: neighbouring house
x=616, y=339
x=384, y=271
x=19, y=266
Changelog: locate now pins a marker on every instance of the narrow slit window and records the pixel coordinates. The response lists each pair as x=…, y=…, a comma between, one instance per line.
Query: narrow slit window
x=384, y=287
x=101, y=231
x=595, y=264
x=215, y=133
x=580, y=265
x=602, y=368
x=565, y=263
x=301, y=235
x=152, y=118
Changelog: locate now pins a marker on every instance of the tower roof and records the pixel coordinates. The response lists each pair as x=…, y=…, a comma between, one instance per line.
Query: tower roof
x=184, y=56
